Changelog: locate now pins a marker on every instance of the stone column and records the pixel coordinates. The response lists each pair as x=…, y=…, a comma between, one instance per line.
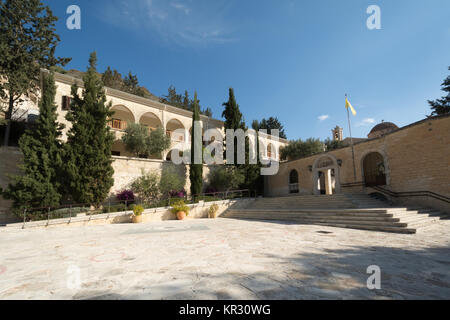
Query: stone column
x=328, y=185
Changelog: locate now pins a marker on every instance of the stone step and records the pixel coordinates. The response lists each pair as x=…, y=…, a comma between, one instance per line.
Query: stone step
x=422, y=222
x=357, y=220
x=372, y=228
x=310, y=219
x=287, y=215
x=321, y=210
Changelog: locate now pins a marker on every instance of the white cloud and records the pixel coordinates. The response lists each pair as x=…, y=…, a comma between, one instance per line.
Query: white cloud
x=366, y=122
x=323, y=117
x=176, y=22
x=182, y=7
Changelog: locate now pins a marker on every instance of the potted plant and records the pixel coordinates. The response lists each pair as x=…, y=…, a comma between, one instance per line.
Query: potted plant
x=212, y=211
x=180, y=209
x=137, y=214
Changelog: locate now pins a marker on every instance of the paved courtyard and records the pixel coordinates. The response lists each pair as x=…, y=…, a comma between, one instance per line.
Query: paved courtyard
x=221, y=259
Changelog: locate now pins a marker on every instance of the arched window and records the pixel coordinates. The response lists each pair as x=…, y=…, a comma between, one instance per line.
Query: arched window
x=293, y=181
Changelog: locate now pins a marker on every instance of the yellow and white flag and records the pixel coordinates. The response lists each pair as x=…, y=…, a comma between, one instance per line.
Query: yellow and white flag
x=348, y=105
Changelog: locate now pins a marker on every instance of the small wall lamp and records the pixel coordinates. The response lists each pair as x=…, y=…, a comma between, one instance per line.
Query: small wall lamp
x=310, y=168
x=339, y=162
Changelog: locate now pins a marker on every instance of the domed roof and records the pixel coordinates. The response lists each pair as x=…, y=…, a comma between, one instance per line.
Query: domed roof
x=383, y=126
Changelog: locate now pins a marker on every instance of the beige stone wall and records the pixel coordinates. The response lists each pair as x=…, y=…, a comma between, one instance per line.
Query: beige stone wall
x=417, y=158
x=128, y=169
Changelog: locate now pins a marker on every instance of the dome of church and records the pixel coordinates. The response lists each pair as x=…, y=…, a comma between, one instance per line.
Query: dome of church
x=381, y=129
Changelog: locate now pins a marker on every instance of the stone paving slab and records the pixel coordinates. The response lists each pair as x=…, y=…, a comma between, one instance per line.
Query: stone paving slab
x=221, y=259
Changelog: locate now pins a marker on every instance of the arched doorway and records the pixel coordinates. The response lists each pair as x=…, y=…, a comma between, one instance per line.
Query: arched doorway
x=325, y=173
x=293, y=181
x=374, y=170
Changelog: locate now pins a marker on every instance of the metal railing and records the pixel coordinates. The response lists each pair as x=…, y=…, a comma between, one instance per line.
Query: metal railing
x=72, y=210
x=426, y=193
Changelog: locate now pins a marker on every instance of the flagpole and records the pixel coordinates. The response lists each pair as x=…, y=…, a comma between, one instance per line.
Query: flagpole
x=351, y=141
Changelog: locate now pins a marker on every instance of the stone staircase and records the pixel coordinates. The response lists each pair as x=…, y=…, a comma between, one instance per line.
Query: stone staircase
x=357, y=211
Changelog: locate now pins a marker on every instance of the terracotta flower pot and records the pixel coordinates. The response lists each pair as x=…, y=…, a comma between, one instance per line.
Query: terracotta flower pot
x=136, y=219
x=181, y=215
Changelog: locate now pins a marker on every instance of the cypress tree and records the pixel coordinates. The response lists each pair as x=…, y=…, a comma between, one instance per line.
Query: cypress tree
x=195, y=170
x=232, y=114
x=233, y=117
x=233, y=120
x=89, y=142
x=41, y=148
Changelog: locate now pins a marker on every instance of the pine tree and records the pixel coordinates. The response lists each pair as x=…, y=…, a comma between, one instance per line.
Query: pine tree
x=27, y=44
x=42, y=150
x=195, y=170
x=89, y=170
x=271, y=123
x=186, y=101
x=442, y=106
x=112, y=79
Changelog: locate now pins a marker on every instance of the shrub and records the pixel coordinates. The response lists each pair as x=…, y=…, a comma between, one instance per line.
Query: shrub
x=226, y=178
x=213, y=210
x=208, y=198
x=170, y=180
x=146, y=187
x=178, y=206
x=117, y=208
x=178, y=194
x=125, y=195
x=211, y=189
x=137, y=210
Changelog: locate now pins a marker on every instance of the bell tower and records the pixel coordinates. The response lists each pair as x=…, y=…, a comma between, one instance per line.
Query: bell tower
x=337, y=133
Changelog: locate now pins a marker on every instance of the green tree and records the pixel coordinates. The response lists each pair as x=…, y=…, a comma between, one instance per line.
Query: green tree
x=225, y=178
x=299, y=149
x=196, y=170
x=131, y=85
x=231, y=113
x=173, y=98
x=186, y=101
x=135, y=139
x=112, y=79
x=333, y=144
x=177, y=100
x=158, y=142
x=39, y=186
x=89, y=170
x=27, y=44
x=269, y=124
x=233, y=117
x=442, y=106
x=139, y=141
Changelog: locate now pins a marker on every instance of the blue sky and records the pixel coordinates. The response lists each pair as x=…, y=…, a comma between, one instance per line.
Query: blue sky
x=291, y=59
